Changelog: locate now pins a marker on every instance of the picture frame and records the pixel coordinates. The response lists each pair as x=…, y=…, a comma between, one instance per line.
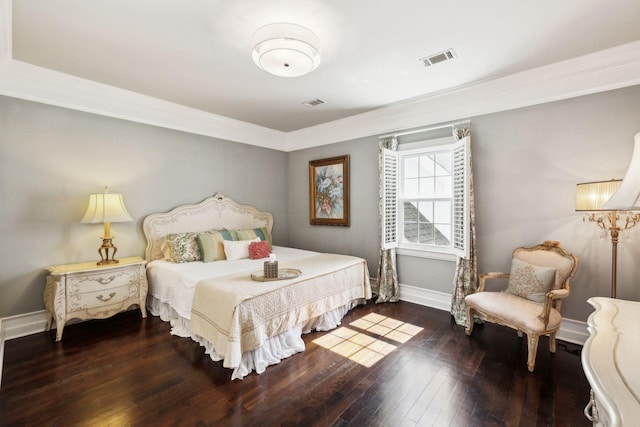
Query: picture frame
x=329, y=191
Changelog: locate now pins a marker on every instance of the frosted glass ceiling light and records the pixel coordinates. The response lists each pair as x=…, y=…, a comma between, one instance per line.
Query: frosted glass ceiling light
x=286, y=50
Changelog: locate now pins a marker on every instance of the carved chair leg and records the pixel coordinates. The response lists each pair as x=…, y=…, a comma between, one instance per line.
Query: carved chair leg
x=470, y=321
x=532, y=344
x=552, y=342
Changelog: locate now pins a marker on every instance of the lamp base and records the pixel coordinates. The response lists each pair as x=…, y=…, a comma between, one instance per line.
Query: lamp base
x=107, y=246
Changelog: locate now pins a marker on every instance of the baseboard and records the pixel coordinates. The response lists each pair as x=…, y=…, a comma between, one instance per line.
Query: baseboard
x=24, y=324
x=573, y=331
x=426, y=297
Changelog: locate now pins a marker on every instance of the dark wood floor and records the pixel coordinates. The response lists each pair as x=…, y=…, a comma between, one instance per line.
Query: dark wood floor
x=129, y=371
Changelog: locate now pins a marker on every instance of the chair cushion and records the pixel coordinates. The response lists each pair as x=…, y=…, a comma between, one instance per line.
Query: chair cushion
x=530, y=281
x=513, y=311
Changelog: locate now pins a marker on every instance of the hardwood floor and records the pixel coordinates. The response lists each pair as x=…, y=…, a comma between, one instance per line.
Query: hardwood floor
x=129, y=371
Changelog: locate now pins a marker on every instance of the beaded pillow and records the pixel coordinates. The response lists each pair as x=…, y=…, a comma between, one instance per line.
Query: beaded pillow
x=258, y=250
x=530, y=281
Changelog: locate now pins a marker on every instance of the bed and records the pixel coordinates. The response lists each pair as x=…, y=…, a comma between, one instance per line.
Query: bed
x=211, y=298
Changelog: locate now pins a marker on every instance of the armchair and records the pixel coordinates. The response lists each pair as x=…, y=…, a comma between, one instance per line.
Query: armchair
x=531, y=304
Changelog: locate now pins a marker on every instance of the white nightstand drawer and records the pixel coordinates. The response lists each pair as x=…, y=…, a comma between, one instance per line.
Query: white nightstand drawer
x=98, y=282
x=89, y=300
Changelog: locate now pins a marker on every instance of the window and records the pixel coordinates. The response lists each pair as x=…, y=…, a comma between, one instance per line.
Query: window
x=425, y=198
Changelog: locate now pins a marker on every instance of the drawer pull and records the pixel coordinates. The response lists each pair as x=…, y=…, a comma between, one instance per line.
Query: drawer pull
x=590, y=411
x=105, y=281
x=103, y=299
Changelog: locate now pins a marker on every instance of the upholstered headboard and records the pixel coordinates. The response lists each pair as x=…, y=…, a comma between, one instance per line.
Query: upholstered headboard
x=217, y=212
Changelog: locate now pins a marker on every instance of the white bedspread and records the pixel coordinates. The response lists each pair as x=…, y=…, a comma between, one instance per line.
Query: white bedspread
x=175, y=283
x=172, y=287
x=237, y=314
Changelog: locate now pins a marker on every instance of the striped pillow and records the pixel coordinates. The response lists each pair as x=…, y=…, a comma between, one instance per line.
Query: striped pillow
x=211, y=246
x=249, y=234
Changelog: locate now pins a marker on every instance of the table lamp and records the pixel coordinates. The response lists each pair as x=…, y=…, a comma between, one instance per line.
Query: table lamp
x=106, y=208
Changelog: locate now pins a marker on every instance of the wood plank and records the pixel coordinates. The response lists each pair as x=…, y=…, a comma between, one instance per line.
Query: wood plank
x=130, y=371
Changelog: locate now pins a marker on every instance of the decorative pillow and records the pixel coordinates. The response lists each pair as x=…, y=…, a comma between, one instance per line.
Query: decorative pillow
x=530, y=281
x=211, y=246
x=237, y=249
x=258, y=250
x=182, y=247
x=262, y=233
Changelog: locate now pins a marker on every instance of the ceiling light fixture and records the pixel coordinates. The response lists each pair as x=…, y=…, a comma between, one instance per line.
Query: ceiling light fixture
x=286, y=50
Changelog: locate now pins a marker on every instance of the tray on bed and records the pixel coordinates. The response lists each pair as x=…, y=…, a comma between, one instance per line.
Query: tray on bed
x=283, y=274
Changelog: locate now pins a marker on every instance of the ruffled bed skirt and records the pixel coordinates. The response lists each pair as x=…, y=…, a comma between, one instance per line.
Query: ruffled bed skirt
x=272, y=351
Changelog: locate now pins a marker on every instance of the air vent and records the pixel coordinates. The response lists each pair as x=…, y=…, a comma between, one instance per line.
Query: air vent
x=313, y=103
x=438, y=57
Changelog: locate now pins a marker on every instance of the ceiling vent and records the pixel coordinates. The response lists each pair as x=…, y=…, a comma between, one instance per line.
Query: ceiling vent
x=438, y=57
x=313, y=103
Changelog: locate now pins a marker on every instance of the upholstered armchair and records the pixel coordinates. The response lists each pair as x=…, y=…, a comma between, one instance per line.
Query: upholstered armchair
x=537, y=284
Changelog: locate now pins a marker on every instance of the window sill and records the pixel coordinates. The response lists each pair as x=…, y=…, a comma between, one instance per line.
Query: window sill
x=426, y=254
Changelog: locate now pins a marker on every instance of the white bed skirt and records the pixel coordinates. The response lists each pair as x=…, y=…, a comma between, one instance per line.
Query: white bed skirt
x=272, y=351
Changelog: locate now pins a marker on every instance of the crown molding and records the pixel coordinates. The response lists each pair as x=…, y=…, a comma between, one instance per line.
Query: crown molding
x=608, y=69
x=597, y=72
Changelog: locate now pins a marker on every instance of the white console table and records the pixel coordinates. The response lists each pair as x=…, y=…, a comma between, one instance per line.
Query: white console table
x=611, y=362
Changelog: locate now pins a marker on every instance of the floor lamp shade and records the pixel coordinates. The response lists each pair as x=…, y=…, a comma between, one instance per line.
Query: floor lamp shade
x=626, y=198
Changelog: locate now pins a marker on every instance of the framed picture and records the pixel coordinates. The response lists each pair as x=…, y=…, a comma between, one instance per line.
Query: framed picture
x=329, y=191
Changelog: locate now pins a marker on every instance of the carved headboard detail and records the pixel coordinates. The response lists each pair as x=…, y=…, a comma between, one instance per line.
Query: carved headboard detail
x=217, y=212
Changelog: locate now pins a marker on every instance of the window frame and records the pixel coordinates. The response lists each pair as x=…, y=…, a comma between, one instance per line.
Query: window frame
x=393, y=222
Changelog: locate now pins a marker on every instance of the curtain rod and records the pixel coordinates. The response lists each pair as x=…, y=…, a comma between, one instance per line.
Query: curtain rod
x=427, y=129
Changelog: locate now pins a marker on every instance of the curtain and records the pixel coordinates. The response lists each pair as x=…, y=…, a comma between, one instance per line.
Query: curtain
x=466, y=276
x=388, y=289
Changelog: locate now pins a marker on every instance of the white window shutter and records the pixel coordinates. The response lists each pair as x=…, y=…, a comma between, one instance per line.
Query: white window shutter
x=389, y=199
x=461, y=216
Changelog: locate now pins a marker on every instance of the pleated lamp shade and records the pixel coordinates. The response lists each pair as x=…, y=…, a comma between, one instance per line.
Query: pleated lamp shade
x=591, y=196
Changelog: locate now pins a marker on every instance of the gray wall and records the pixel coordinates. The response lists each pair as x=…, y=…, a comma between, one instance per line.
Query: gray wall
x=52, y=158
x=361, y=238
x=526, y=165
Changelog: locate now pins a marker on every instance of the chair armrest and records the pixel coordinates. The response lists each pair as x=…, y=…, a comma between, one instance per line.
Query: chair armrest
x=486, y=276
x=550, y=297
x=557, y=294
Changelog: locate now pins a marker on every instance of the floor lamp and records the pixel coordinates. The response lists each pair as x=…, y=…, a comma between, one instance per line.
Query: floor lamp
x=606, y=200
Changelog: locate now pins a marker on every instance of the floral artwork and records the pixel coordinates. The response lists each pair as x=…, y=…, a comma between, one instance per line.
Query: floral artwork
x=329, y=191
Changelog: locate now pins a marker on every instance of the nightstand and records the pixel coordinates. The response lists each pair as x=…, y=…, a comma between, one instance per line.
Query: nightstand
x=89, y=291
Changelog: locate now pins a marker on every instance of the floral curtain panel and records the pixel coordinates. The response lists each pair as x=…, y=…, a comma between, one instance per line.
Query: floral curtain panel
x=388, y=289
x=466, y=276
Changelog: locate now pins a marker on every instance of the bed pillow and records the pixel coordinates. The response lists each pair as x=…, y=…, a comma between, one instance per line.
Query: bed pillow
x=210, y=244
x=262, y=233
x=259, y=250
x=530, y=281
x=237, y=249
x=182, y=247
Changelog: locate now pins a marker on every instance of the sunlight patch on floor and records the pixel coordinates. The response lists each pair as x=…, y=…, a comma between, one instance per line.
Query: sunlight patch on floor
x=371, y=345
